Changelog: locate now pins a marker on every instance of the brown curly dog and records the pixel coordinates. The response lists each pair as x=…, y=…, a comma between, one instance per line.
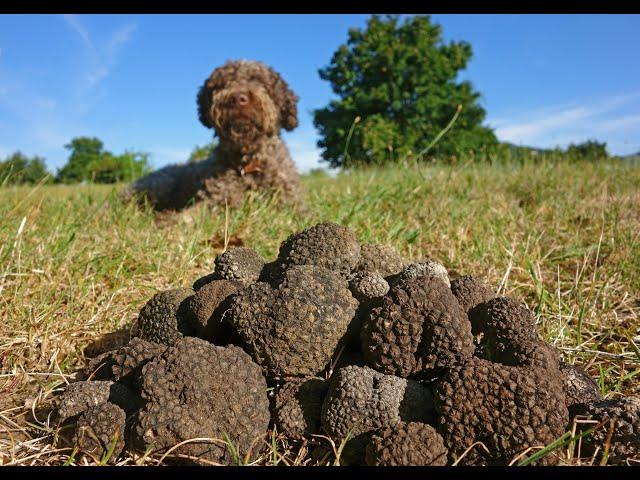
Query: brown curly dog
x=246, y=103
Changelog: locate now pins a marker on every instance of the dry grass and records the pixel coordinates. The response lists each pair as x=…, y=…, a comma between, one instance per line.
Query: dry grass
x=75, y=264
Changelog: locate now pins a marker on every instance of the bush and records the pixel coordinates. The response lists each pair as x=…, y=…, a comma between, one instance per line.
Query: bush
x=89, y=162
x=589, y=150
x=17, y=168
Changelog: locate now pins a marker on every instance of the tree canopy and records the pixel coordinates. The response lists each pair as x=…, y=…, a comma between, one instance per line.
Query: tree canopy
x=17, y=168
x=90, y=162
x=398, y=88
x=588, y=150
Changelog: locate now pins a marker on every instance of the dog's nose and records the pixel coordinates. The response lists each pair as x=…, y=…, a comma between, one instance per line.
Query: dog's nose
x=242, y=99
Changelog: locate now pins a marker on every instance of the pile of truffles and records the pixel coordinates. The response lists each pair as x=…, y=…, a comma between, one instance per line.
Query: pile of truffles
x=393, y=361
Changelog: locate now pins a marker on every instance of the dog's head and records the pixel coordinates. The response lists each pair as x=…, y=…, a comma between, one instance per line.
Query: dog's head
x=245, y=100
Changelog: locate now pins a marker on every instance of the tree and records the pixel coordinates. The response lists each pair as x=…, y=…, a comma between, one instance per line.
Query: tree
x=397, y=90
x=89, y=161
x=202, y=152
x=85, y=151
x=17, y=168
x=589, y=150
x=119, y=168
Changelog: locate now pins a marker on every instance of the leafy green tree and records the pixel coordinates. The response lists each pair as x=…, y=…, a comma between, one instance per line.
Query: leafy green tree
x=90, y=162
x=17, y=168
x=397, y=86
x=85, y=151
x=119, y=168
x=202, y=152
x=589, y=150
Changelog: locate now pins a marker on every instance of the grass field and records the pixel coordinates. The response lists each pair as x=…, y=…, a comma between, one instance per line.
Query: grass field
x=75, y=263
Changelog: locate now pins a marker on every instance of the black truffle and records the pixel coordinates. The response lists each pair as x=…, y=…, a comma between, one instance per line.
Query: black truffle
x=427, y=267
x=294, y=330
x=327, y=245
x=508, y=409
x=406, y=444
x=206, y=309
x=125, y=364
x=100, y=432
x=202, y=281
x=164, y=319
x=471, y=292
x=619, y=418
x=366, y=286
x=80, y=396
x=506, y=333
x=418, y=329
x=199, y=390
x=381, y=259
x=298, y=405
x=579, y=387
x=361, y=400
x=239, y=264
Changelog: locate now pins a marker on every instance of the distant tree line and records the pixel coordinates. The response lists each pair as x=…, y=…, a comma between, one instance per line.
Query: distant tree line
x=88, y=162
x=17, y=169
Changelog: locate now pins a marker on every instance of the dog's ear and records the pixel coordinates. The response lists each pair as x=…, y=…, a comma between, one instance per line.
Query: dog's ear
x=285, y=98
x=289, y=110
x=204, y=100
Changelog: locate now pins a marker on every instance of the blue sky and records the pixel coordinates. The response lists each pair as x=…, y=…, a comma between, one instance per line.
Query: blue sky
x=131, y=80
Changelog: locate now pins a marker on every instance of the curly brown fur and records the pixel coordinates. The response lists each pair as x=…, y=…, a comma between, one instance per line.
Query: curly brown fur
x=246, y=103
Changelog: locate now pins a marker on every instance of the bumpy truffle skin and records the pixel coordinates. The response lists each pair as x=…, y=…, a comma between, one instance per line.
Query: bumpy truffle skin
x=239, y=264
x=327, y=245
x=621, y=418
x=205, y=309
x=508, y=409
x=471, y=292
x=579, y=387
x=298, y=405
x=366, y=286
x=98, y=428
x=368, y=289
x=125, y=364
x=80, y=396
x=205, y=279
x=417, y=330
x=381, y=259
x=507, y=334
x=426, y=268
x=361, y=400
x=294, y=330
x=164, y=318
x=406, y=444
x=196, y=389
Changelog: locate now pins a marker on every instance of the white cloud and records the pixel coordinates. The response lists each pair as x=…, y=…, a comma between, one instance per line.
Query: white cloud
x=102, y=57
x=120, y=38
x=74, y=22
x=563, y=124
